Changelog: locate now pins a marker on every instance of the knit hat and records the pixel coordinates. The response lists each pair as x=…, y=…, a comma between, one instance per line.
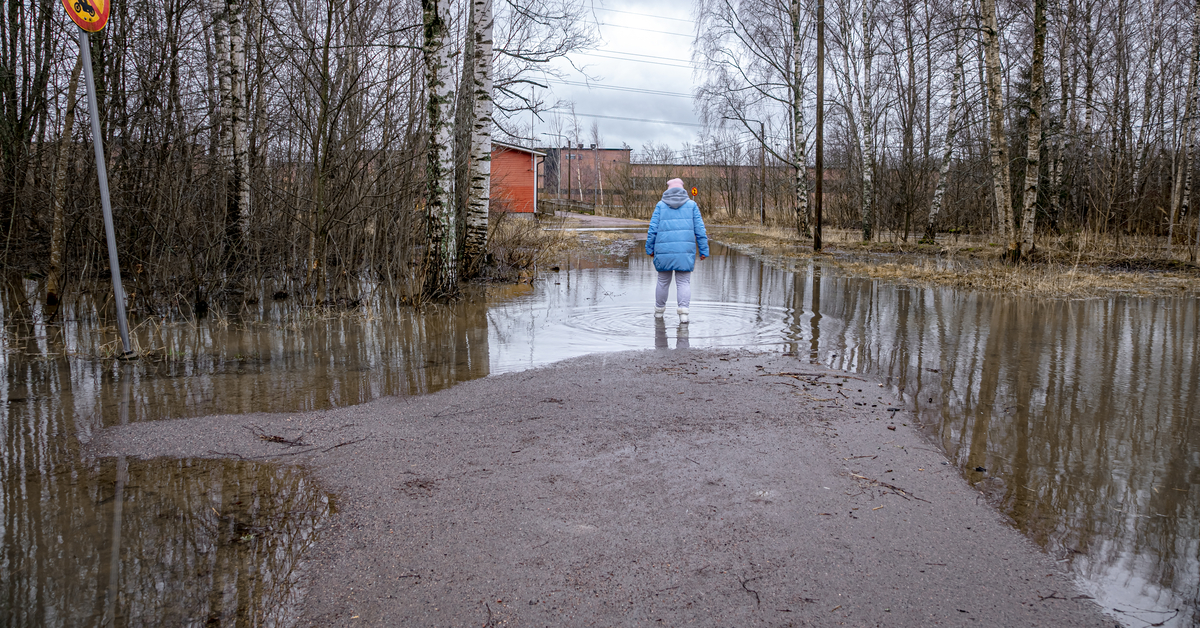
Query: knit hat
x=675, y=183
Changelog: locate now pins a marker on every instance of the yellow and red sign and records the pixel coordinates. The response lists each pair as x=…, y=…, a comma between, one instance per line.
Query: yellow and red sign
x=695, y=191
x=90, y=15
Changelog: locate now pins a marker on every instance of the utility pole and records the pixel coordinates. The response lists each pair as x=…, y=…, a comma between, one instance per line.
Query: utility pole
x=820, y=165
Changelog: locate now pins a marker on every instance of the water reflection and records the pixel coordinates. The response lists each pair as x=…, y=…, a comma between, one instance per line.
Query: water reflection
x=160, y=542
x=1080, y=412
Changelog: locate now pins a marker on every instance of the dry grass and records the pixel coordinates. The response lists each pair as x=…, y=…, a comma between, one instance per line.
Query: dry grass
x=517, y=245
x=1069, y=266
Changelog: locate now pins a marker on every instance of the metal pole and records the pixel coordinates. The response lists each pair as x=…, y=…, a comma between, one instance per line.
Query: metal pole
x=820, y=165
x=762, y=175
x=102, y=174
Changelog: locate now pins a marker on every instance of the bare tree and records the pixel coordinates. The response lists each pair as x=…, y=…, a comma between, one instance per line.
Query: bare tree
x=61, y=166
x=441, y=280
x=1033, y=153
x=952, y=116
x=480, y=175
x=998, y=144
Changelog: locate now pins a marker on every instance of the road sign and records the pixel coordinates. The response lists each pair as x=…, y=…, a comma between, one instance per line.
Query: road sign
x=90, y=15
x=695, y=191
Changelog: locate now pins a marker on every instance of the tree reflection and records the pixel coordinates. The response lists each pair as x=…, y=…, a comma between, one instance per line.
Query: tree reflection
x=1081, y=412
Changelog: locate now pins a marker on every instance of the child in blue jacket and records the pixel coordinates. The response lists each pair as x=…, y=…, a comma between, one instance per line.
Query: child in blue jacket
x=676, y=230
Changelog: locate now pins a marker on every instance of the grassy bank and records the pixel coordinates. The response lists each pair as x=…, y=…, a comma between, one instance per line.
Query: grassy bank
x=1069, y=266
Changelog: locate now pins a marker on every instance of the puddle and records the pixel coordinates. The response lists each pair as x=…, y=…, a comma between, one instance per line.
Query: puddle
x=161, y=542
x=1078, y=410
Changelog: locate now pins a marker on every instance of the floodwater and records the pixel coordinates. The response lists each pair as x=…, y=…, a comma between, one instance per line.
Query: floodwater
x=1082, y=414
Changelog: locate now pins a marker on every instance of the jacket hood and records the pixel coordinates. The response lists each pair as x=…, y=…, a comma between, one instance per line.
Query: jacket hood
x=675, y=197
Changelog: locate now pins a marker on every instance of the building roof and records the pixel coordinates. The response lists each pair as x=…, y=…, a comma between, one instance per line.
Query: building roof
x=518, y=148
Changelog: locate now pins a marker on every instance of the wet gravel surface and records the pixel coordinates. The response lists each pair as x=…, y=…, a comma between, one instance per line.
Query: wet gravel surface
x=709, y=488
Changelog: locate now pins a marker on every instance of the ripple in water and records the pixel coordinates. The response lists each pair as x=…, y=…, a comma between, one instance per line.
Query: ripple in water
x=711, y=324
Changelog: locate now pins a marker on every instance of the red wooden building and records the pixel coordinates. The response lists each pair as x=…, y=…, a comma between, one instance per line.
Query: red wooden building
x=514, y=178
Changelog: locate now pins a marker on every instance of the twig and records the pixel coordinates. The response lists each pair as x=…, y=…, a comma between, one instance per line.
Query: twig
x=489, y=617
x=349, y=442
x=895, y=489
x=757, y=600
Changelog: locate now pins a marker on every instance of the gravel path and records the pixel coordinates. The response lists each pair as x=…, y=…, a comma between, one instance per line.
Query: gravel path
x=669, y=488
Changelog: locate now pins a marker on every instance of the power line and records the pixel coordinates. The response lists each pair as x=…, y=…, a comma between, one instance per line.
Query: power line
x=645, y=30
x=619, y=88
x=596, y=115
x=657, y=17
x=657, y=63
x=635, y=54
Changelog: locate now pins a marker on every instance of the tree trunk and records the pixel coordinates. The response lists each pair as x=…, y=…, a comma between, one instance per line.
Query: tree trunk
x=1065, y=111
x=956, y=84
x=480, y=178
x=868, y=137
x=800, y=157
x=237, y=120
x=61, y=164
x=1182, y=193
x=1143, y=137
x=1034, y=145
x=441, y=278
x=998, y=145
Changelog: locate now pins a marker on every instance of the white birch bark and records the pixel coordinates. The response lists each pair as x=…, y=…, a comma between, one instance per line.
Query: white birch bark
x=1034, y=145
x=956, y=84
x=998, y=144
x=1183, y=194
x=867, y=137
x=236, y=14
x=61, y=165
x=1065, y=111
x=800, y=157
x=221, y=46
x=480, y=178
x=441, y=279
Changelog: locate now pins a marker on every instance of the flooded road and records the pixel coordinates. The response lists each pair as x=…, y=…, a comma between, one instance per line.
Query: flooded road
x=1080, y=413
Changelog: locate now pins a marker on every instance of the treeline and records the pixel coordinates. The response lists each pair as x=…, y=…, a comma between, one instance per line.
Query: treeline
x=247, y=140
x=1011, y=119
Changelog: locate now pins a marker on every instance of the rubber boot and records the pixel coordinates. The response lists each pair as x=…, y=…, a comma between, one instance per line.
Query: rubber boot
x=658, y=312
x=683, y=315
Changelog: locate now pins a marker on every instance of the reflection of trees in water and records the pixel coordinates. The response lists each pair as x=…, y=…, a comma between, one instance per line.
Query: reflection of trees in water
x=197, y=540
x=216, y=542
x=1082, y=413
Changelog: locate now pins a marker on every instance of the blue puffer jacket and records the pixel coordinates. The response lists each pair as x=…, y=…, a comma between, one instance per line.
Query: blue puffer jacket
x=676, y=229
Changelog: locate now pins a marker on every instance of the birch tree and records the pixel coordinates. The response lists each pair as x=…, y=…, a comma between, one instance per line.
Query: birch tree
x=952, y=115
x=1033, y=150
x=480, y=173
x=441, y=266
x=229, y=28
x=1183, y=172
x=998, y=144
x=753, y=52
x=867, y=137
x=799, y=130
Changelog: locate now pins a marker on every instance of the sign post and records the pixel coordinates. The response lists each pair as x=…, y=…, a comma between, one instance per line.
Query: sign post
x=91, y=16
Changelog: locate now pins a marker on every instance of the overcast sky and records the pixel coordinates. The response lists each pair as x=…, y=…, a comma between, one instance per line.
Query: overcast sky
x=644, y=53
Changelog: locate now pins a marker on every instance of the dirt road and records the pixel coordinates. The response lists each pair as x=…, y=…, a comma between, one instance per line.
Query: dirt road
x=646, y=488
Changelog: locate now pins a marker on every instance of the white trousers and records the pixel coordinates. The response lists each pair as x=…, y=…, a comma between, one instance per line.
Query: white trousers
x=683, y=288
